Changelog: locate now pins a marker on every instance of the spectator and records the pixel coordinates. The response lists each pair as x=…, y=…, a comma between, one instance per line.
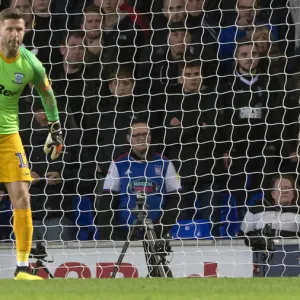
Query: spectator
x=46, y=35
x=295, y=12
x=262, y=123
x=25, y=6
x=172, y=11
x=91, y=24
x=69, y=12
x=247, y=11
x=120, y=31
x=125, y=7
x=273, y=62
x=140, y=170
x=162, y=64
x=278, y=14
x=69, y=77
x=54, y=182
x=109, y=118
x=190, y=122
x=281, y=211
x=98, y=57
x=41, y=36
x=205, y=34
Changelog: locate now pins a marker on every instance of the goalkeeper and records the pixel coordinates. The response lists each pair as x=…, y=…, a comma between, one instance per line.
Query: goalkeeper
x=19, y=67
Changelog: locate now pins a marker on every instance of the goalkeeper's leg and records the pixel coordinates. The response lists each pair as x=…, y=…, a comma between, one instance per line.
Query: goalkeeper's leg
x=23, y=229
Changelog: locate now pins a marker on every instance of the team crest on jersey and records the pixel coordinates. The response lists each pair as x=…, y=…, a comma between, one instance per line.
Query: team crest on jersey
x=158, y=170
x=18, y=78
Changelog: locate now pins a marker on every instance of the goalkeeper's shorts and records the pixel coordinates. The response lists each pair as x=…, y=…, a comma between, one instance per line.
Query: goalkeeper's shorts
x=13, y=161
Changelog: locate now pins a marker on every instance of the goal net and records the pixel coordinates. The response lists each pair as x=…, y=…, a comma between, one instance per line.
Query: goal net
x=180, y=121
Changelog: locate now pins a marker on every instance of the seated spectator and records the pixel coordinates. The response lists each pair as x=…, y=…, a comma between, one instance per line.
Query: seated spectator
x=108, y=118
x=189, y=123
x=54, y=181
x=140, y=170
x=41, y=36
x=205, y=32
x=120, y=31
x=162, y=64
x=134, y=14
x=91, y=24
x=68, y=80
x=47, y=29
x=69, y=12
x=262, y=123
x=98, y=57
x=172, y=11
x=278, y=13
x=247, y=11
x=281, y=211
x=273, y=62
x=25, y=6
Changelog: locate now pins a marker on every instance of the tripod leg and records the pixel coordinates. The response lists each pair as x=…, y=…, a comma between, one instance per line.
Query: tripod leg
x=46, y=270
x=149, y=261
x=123, y=251
x=156, y=260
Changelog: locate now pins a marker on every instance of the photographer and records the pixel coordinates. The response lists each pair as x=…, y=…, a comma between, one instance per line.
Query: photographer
x=140, y=170
x=280, y=213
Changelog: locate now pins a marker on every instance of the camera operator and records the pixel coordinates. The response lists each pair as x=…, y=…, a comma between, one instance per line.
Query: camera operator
x=280, y=213
x=140, y=170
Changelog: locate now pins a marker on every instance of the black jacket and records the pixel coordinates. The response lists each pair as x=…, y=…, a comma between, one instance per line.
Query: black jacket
x=261, y=118
x=195, y=146
x=108, y=121
x=127, y=36
x=50, y=200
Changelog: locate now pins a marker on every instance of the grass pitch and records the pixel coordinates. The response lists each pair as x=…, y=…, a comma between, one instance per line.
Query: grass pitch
x=152, y=289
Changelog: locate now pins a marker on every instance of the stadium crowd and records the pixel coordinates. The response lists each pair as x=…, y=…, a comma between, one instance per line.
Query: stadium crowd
x=193, y=102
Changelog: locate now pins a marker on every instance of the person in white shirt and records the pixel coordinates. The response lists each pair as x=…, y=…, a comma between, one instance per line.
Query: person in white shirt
x=281, y=211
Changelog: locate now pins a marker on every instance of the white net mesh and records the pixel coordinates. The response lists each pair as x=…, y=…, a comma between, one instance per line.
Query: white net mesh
x=189, y=106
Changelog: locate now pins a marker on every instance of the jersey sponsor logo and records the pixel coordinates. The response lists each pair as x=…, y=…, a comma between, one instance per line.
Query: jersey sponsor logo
x=250, y=113
x=143, y=185
x=7, y=93
x=18, y=78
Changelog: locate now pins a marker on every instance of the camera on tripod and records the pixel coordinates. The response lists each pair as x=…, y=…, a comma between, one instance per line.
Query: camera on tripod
x=155, y=249
x=262, y=239
x=39, y=253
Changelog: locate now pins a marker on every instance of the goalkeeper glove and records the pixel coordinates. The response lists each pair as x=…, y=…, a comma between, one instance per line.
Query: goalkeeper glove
x=54, y=140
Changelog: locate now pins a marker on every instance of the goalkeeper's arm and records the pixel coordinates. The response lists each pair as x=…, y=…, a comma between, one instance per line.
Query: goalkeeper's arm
x=42, y=85
x=54, y=140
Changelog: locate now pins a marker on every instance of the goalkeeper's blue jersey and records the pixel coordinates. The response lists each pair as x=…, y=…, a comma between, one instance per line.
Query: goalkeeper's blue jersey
x=127, y=177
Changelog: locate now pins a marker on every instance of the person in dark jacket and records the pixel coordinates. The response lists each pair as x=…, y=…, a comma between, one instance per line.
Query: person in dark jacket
x=247, y=17
x=120, y=31
x=55, y=183
x=131, y=10
x=193, y=136
x=109, y=118
x=205, y=32
x=161, y=63
x=262, y=122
